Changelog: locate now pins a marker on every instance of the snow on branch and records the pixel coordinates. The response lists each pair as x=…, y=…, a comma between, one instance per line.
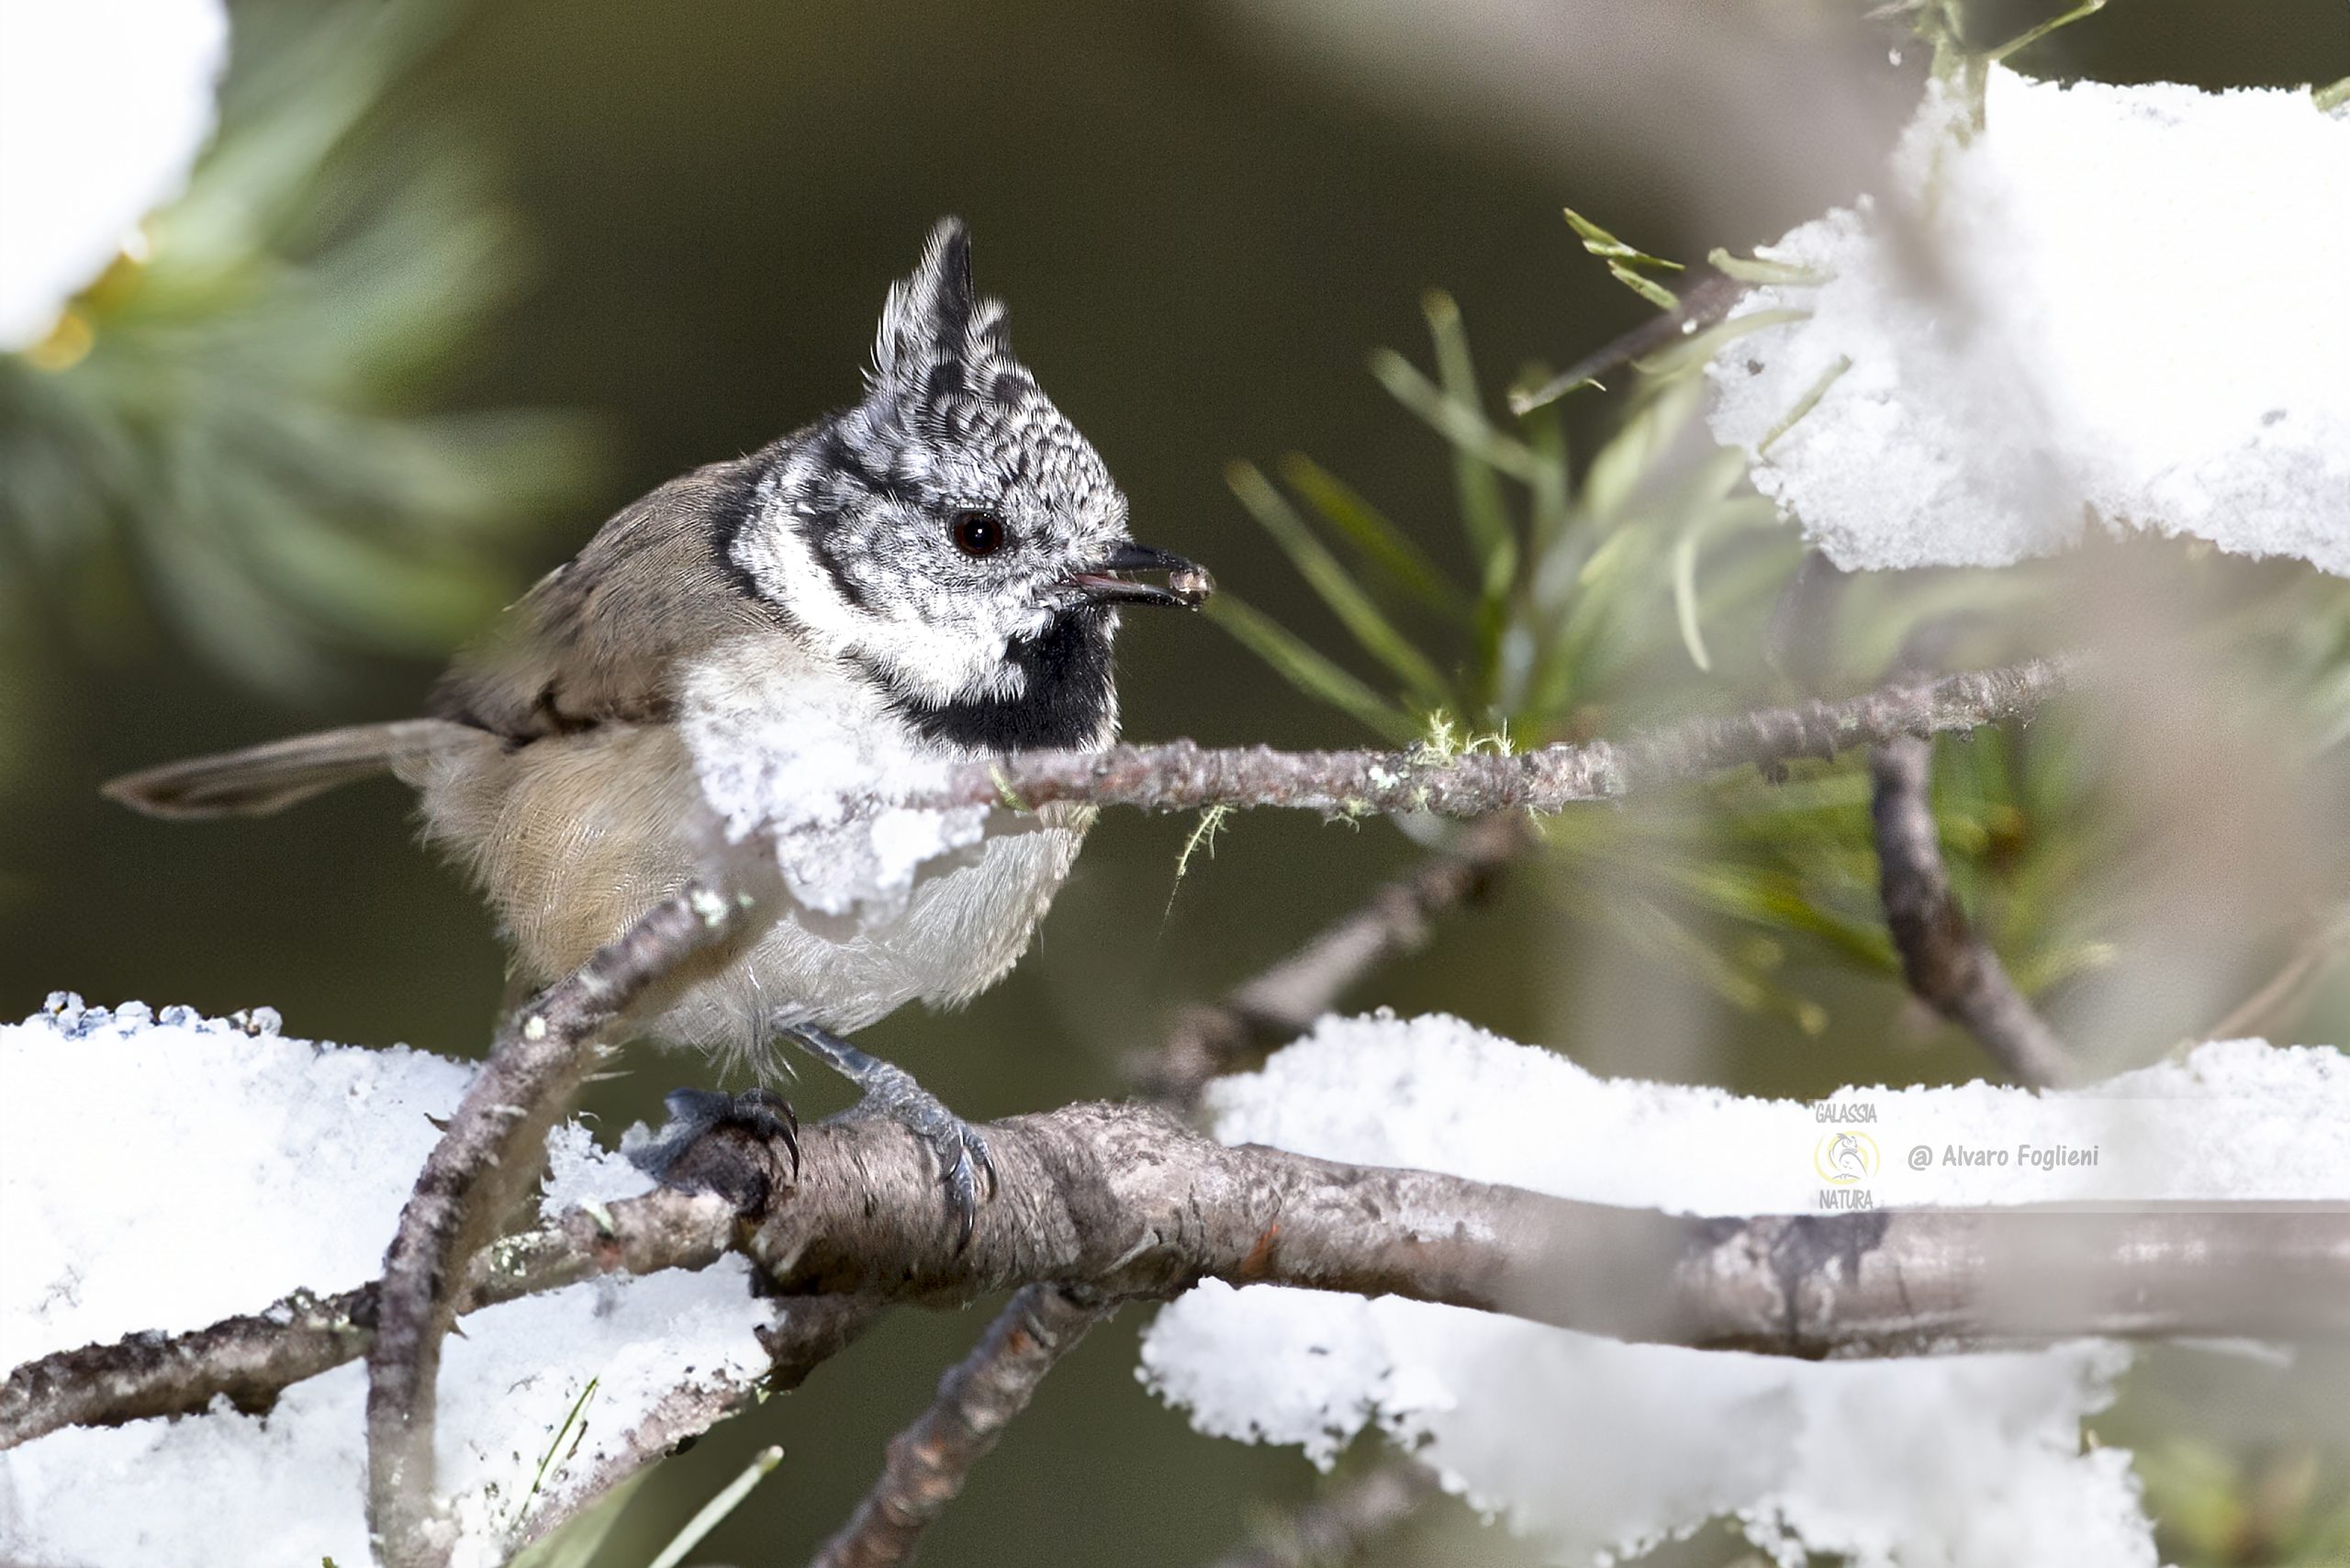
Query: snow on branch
x=2113, y=302
x=1124, y=1202
x=1601, y=1446
x=208, y=1244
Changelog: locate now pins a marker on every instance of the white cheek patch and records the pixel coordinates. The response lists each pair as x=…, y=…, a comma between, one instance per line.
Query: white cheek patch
x=787, y=571
x=944, y=666
x=936, y=663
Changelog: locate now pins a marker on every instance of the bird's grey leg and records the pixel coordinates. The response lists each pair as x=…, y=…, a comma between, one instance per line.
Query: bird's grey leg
x=961, y=1152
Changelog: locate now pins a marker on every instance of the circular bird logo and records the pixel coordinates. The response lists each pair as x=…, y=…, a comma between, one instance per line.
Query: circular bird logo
x=1844, y=1158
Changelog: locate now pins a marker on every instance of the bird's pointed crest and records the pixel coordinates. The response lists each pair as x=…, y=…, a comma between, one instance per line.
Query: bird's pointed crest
x=938, y=337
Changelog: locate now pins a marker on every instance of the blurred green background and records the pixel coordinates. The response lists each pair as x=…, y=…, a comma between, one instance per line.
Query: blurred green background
x=664, y=233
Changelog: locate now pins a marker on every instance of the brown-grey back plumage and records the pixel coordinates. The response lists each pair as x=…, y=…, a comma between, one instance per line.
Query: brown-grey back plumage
x=601, y=638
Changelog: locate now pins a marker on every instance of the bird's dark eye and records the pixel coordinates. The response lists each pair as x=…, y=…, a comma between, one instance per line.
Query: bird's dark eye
x=978, y=533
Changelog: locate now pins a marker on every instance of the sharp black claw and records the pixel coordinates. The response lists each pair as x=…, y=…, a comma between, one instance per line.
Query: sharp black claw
x=962, y=1155
x=770, y=1114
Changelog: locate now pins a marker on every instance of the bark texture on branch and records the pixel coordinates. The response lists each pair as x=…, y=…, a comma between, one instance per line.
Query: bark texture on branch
x=1947, y=963
x=1125, y=1200
x=929, y=1462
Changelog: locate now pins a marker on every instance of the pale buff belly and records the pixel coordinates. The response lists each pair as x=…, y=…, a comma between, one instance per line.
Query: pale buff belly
x=574, y=837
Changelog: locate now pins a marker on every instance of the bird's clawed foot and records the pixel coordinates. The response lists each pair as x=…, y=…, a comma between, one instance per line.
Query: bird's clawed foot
x=723, y=1144
x=890, y=1091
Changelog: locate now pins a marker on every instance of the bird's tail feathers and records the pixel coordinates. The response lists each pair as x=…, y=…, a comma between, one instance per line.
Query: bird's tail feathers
x=264, y=779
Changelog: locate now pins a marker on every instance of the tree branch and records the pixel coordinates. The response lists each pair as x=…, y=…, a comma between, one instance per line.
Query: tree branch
x=929, y=1462
x=1179, y=775
x=483, y=1166
x=1125, y=1200
x=252, y=1359
x=479, y=1172
x=1950, y=967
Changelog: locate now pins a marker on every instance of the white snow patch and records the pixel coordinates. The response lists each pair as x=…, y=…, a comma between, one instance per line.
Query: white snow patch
x=104, y=105
x=1597, y=1448
x=2111, y=302
x=165, y=1174
x=826, y=774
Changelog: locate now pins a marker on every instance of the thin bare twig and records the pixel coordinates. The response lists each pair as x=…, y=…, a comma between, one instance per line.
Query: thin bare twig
x=1344, y=1522
x=1209, y=1040
x=1708, y=300
x=1950, y=967
x=929, y=1462
x=1179, y=775
x=2282, y=996
x=478, y=1174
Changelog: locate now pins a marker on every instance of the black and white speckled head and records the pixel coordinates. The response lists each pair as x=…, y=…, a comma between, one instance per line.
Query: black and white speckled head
x=953, y=535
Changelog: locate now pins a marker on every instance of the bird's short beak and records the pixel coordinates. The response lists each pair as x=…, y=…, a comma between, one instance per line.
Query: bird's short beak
x=1106, y=583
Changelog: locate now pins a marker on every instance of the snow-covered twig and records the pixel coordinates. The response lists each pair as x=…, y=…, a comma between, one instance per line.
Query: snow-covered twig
x=249, y=1360
x=482, y=1168
x=1946, y=961
x=979, y=1397
x=1179, y=776
x=1339, y=1526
